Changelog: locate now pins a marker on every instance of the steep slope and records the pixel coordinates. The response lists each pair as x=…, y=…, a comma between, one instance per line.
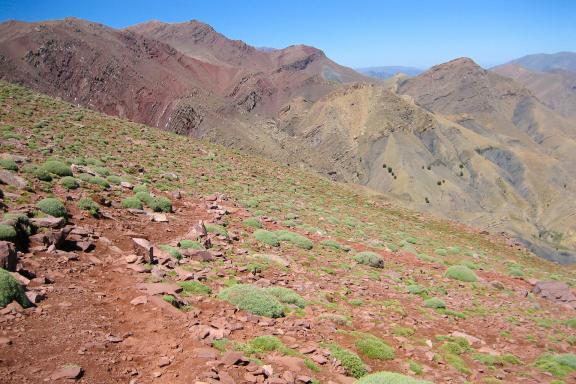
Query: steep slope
x=201, y=292
x=527, y=152
x=555, y=88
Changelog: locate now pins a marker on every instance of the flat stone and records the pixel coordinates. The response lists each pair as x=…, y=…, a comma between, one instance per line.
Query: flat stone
x=159, y=288
x=131, y=259
x=139, y=300
x=163, y=362
x=159, y=218
x=48, y=222
x=71, y=372
x=199, y=255
x=206, y=353
x=234, y=358
x=10, y=178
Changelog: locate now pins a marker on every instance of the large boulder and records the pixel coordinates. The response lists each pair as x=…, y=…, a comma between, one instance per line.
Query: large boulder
x=556, y=291
x=10, y=178
x=8, y=256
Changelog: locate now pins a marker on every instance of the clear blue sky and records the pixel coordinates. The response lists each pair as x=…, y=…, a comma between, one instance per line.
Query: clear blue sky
x=354, y=33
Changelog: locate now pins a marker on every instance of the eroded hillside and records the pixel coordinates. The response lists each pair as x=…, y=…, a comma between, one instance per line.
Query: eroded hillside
x=171, y=260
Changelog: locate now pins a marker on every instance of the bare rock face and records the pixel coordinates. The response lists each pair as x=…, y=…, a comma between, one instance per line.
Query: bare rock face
x=7, y=177
x=142, y=247
x=556, y=291
x=8, y=256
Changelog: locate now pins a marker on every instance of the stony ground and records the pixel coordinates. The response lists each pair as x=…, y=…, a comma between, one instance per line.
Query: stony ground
x=106, y=313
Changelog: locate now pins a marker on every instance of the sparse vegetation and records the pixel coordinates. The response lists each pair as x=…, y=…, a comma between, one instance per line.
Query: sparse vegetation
x=10, y=289
x=253, y=299
x=53, y=207
x=90, y=206
x=370, y=258
x=132, y=202
x=350, y=361
x=461, y=273
x=390, y=378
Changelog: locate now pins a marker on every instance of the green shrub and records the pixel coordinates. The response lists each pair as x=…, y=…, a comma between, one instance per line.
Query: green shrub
x=42, y=174
x=415, y=367
x=461, y=273
x=370, y=258
x=403, y=331
x=571, y=322
x=102, y=171
x=57, y=167
x=286, y=296
x=390, y=378
x=266, y=343
x=52, y=207
x=194, y=287
x=170, y=299
x=99, y=181
x=252, y=222
x=174, y=252
x=132, y=202
x=557, y=365
x=351, y=362
x=334, y=244
x=253, y=299
x=10, y=289
x=441, y=252
x=90, y=206
x=140, y=188
x=215, y=228
x=160, y=204
x=8, y=164
x=190, y=244
x=496, y=360
x=7, y=232
x=143, y=196
x=373, y=347
x=69, y=182
x=294, y=238
x=266, y=237
x=434, y=302
x=113, y=179
x=416, y=289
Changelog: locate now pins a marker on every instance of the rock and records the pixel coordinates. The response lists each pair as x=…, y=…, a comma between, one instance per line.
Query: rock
x=48, y=222
x=114, y=339
x=234, y=358
x=159, y=288
x=163, y=362
x=7, y=177
x=137, y=268
x=158, y=272
x=8, y=256
x=496, y=284
x=225, y=378
x=72, y=372
x=303, y=379
x=159, y=218
x=139, y=300
x=35, y=297
x=199, y=255
x=131, y=259
x=268, y=370
x=176, y=195
x=85, y=246
x=555, y=291
x=142, y=247
x=206, y=353
x=127, y=185
x=197, y=231
x=5, y=341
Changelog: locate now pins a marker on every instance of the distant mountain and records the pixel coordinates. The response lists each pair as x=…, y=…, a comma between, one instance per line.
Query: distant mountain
x=389, y=71
x=551, y=77
x=546, y=62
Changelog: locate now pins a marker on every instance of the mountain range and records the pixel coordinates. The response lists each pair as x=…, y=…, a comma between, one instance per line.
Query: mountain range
x=493, y=148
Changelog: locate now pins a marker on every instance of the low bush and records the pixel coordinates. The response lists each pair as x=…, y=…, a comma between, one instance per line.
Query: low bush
x=461, y=273
x=10, y=289
x=53, y=207
x=351, y=362
x=253, y=299
x=266, y=237
x=113, y=179
x=390, y=378
x=373, y=347
x=416, y=289
x=132, y=202
x=8, y=164
x=56, y=167
x=190, y=244
x=286, y=296
x=434, y=302
x=252, y=222
x=69, y=182
x=215, y=228
x=370, y=258
x=334, y=244
x=195, y=288
x=557, y=365
x=294, y=238
x=140, y=188
x=90, y=206
x=7, y=233
x=99, y=181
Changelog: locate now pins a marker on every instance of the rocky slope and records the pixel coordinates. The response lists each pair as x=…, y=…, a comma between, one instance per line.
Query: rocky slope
x=456, y=140
x=136, y=281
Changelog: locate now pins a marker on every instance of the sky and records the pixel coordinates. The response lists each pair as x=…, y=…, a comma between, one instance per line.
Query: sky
x=357, y=33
